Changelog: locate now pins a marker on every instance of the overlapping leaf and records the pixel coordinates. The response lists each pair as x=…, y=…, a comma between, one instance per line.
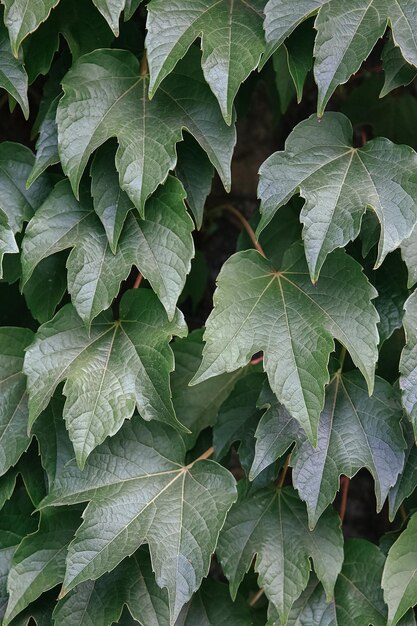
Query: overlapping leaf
x=409, y=255
x=178, y=510
x=22, y=18
x=338, y=183
x=161, y=246
x=408, y=362
x=13, y=77
x=8, y=243
x=282, y=560
x=407, y=481
x=111, y=10
x=232, y=42
x=397, y=71
x=399, y=580
x=13, y=398
x=293, y=322
x=113, y=102
x=109, y=370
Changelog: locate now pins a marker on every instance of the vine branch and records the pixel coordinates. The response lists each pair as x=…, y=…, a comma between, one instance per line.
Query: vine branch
x=244, y=222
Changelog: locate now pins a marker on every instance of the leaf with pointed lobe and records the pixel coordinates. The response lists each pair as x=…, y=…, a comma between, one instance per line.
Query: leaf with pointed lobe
x=258, y=308
x=46, y=145
x=197, y=407
x=17, y=202
x=282, y=560
x=355, y=431
x=46, y=287
x=111, y=204
x=14, y=438
x=38, y=564
x=89, y=116
x=282, y=17
x=399, y=580
x=338, y=183
x=22, y=18
x=407, y=481
x=409, y=255
x=111, y=10
x=408, y=361
x=196, y=173
x=8, y=243
x=13, y=77
x=299, y=48
x=232, y=42
x=177, y=510
x=108, y=371
x=398, y=72
x=238, y=418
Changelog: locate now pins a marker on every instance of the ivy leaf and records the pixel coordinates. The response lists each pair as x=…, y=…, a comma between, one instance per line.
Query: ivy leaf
x=398, y=72
x=8, y=243
x=232, y=42
x=355, y=431
x=338, y=183
x=281, y=19
x=160, y=246
x=408, y=361
x=47, y=144
x=159, y=501
x=13, y=77
x=13, y=399
x=196, y=173
x=87, y=118
x=407, y=481
x=197, y=407
x=39, y=562
x=344, y=40
x=282, y=560
x=22, y=18
x=399, y=580
x=111, y=10
x=281, y=313
x=111, y=204
x=409, y=255
x=17, y=202
x=238, y=418
x=46, y=287
x=357, y=598
x=109, y=371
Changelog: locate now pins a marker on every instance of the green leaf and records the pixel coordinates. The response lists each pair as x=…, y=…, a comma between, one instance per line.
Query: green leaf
x=408, y=361
x=197, y=407
x=390, y=280
x=109, y=371
x=47, y=144
x=17, y=202
x=46, y=287
x=238, y=418
x=300, y=55
x=398, y=72
x=196, y=173
x=88, y=117
x=8, y=243
x=344, y=39
x=160, y=246
x=38, y=564
x=13, y=77
x=409, y=255
x=232, y=42
x=407, y=481
x=357, y=596
x=281, y=19
x=111, y=10
x=355, y=431
x=281, y=313
x=159, y=501
x=338, y=183
x=14, y=438
x=282, y=560
x=283, y=79
x=399, y=580
x=111, y=204
x=22, y=18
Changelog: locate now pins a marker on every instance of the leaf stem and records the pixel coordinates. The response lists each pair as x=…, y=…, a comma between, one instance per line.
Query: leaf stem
x=244, y=222
x=138, y=281
x=342, y=357
x=283, y=474
x=207, y=454
x=256, y=597
x=258, y=359
x=144, y=68
x=345, y=482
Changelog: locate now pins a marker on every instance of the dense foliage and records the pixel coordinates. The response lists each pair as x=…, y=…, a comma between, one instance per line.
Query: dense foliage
x=154, y=472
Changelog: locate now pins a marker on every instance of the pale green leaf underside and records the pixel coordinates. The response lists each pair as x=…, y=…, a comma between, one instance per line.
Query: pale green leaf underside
x=22, y=17
x=110, y=10
x=293, y=323
x=338, y=183
x=108, y=371
x=408, y=361
x=272, y=524
x=232, y=41
x=8, y=243
x=178, y=510
x=399, y=580
x=113, y=102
